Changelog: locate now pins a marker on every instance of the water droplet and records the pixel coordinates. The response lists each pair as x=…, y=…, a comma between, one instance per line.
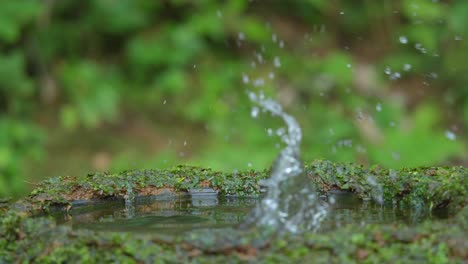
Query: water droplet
x=280, y=131
x=277, y=62
x=274, y=38
x=395, y=76
x=281, y=44
x=378, y=107
x=361, y=149
x=258, y=82
x=403, y=40
x=420, y=47
x=255, y=111
x=259, y=58
x=245, y=78
x=387, y=70
x=450, y=135
x=407, y=67
x=270, y=132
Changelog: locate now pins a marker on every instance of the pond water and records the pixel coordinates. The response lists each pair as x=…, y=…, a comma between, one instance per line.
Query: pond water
x=174, y=216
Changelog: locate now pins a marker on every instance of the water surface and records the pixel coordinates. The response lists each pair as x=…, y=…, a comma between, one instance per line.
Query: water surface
x=176, y=215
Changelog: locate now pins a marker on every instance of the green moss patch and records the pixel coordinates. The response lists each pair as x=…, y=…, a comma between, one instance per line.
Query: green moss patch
x=24, y=239
x=431, y=187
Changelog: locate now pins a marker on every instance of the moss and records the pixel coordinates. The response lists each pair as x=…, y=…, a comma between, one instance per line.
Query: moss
x=432, y=187
x=24, y=239
x=429, y=187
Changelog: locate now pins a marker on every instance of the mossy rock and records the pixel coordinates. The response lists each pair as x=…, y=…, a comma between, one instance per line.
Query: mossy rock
x=24, y=239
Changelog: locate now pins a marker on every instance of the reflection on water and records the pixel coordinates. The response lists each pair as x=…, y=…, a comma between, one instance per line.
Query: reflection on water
x=178, y=215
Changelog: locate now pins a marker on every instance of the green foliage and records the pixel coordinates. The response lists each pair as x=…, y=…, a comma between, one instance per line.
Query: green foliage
x=14, y=15
x=69, y=67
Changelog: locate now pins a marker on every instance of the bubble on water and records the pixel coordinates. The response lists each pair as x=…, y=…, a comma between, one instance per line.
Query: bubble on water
x=185, y=143
x=255, y=111
x=277, y=62
x=219, y=13
x=378, y=107
x=407, y=67
x=245, y=78
x=348, y=65
x=249, y=164
x=241, y=36
x=403, y=40
x=395, y=155
x=271, y=75
x=433, y=75
x=341, y=13
x=253, y=64
x=164, y=102
x=391, y=124
x=450, y=135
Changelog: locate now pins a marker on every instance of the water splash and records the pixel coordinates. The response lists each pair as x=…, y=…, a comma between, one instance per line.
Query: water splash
x=291, y=203
x=129, y=201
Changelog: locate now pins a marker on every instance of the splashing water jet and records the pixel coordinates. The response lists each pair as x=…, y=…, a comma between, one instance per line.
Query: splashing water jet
x=291, y=204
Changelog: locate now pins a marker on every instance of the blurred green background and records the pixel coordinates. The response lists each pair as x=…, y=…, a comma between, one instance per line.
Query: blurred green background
x=123, y=84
